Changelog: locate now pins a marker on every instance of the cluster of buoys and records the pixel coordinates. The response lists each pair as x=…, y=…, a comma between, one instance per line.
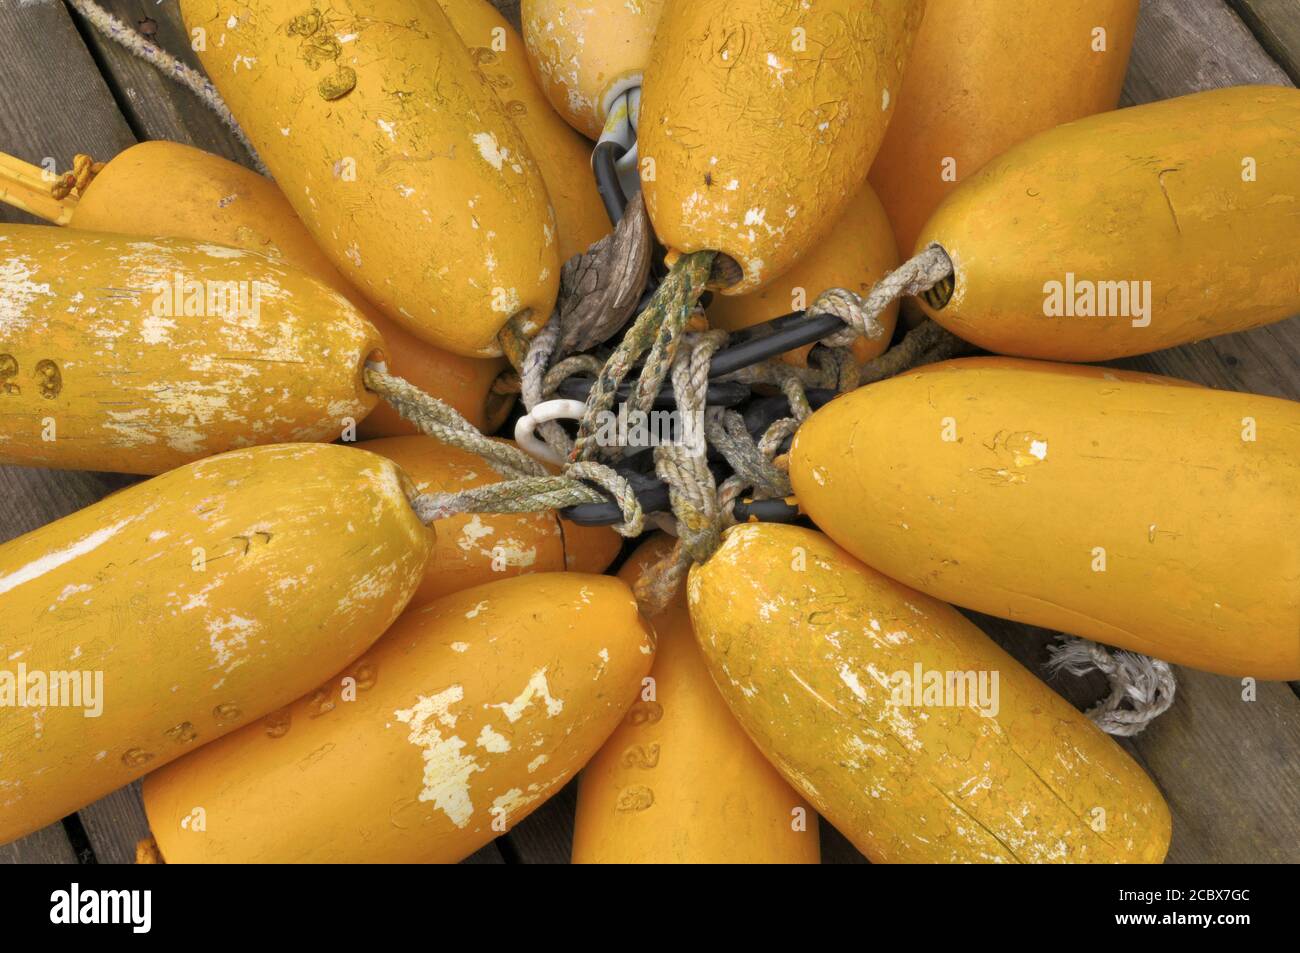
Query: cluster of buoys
x=308, y=673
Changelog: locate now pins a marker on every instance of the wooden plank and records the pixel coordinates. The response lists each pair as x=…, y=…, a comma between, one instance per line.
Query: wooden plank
x=491, y=854
x=47, y=846
x=56, y=104
x=154, y=105
x=1276, y=24
x=1183, y=46
x=114, y=824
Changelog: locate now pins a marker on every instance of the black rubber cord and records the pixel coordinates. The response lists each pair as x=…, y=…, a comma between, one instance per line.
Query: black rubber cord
x=603, y=159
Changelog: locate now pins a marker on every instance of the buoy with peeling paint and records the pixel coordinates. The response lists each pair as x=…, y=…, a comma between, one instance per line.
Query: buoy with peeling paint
x=139, y=355
x=759, y=122
x=909, y=729
x=211, y=199
x=562, y=155
x=187, y=606
x=678, y=782
x=403, y=165
x=462, y=720
x=586, y=55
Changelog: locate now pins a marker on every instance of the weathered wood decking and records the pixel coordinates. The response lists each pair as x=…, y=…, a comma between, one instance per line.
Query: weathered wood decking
x=1229, y=768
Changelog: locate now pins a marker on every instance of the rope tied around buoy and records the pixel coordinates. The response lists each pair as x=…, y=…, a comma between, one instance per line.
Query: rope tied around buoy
x=84, y=170
x=661, y=344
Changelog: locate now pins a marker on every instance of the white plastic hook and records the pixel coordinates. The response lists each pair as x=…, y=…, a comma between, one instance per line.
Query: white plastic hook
x=545, y=412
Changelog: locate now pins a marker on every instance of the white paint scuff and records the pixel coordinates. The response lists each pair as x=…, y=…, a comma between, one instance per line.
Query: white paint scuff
x=446, y=770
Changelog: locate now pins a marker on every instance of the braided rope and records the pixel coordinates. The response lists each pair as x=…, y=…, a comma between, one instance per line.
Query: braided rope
x=1141, y=688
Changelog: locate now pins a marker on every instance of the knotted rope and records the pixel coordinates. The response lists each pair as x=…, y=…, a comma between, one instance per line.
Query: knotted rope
x=1141, y=688
x=84, y=170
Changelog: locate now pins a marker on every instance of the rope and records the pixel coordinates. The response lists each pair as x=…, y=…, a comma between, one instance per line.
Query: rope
x=658, y=330
x=1141, y=688
x=131, y=40
x=84, y=170
x=861, y=315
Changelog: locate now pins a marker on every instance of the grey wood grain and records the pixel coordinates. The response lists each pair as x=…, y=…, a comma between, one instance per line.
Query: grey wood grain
x=1276, y=24
x=49, y=845
x=55, y=102
x=490, y=854
x=114, y=824
x=1183, y=46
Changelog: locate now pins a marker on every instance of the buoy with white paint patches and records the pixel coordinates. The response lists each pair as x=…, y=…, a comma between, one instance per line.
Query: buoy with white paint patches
x=759, y=122
x=397, y=156
x=1132, y=509
x=462, y=720
x=184, y=607
x=136, y=356
x=678, y=782
x=909, y=730
x=210, y=199
x=587, y=54
x=475, y=548
x=562, y=156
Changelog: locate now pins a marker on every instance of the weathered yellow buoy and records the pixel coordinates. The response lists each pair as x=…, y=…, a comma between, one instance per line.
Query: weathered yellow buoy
x=911, y=732
x=211, y=199
x=376, y=124
x=462, y=720
x=1160, y=519
x=137, y=356
x=678, y=782
x=562, y=156
x=1130, y=231
x=586, y=54
x=985, y=76
x=759, y=122
x=182, y=608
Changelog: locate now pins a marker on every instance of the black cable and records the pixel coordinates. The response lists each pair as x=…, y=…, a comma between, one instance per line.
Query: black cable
x=603, y=163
